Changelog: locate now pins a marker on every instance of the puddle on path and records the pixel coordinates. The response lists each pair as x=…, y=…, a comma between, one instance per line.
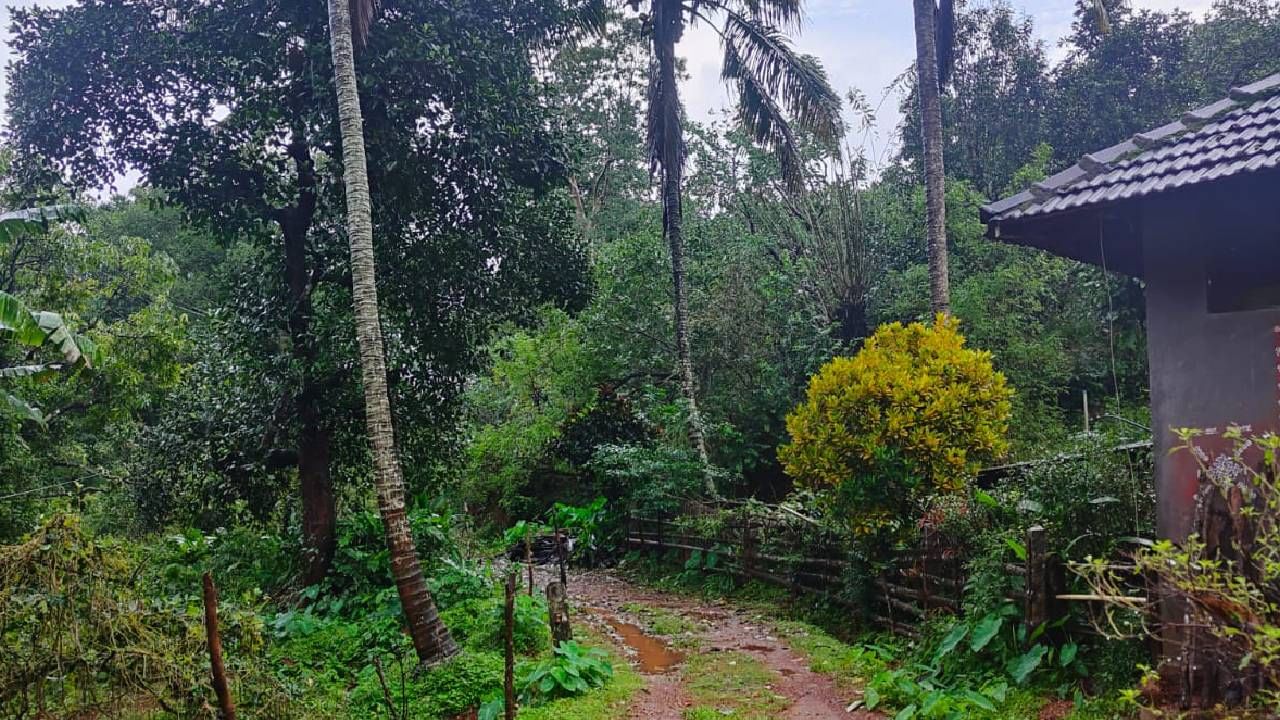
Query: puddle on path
x=652, y=654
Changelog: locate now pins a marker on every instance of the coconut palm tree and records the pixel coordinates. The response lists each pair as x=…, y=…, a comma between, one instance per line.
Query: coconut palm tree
x=774, y=83
x=935, y=48
x=349, y=21
x=933, y=53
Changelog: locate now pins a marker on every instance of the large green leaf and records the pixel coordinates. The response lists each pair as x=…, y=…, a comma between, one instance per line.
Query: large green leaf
x=16, y=406
x=950, y=642
x=61, y=337
x=28, y=370
x=984, y=631
x=35, y=329
x=1021, y=667
x=18, y=320
x=29, y=220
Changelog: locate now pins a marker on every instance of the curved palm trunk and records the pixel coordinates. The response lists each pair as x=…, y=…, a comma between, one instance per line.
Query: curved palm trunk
x=670, y=155
x=431, y=639
x=934, y=174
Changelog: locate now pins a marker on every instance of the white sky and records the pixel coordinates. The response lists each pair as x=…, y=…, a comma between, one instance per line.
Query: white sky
x=861, y=43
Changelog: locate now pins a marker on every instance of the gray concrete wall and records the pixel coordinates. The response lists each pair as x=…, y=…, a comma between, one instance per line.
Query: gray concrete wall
x=1207, y=370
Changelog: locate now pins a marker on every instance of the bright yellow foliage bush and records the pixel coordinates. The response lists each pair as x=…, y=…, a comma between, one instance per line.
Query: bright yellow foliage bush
x=913, y=413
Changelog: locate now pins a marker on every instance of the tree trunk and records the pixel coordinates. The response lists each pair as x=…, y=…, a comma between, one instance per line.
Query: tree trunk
x=315, y=485
x=431, y=639
x=217, y=671
x=672, y=161
x=319, y=506
x=934, y=173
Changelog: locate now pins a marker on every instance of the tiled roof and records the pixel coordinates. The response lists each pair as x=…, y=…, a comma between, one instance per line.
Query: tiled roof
x=1238, y=134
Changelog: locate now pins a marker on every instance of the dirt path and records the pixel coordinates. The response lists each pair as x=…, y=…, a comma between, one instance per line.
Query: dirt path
x=713, y=645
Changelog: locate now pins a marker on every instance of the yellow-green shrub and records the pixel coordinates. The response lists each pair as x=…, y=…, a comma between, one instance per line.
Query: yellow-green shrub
x=913, y=413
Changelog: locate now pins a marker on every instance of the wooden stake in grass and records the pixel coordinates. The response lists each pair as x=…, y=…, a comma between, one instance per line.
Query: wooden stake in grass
x=220, y=687
x=528, y=560
x=558, y=613
x=562, y=542
x=509, y=621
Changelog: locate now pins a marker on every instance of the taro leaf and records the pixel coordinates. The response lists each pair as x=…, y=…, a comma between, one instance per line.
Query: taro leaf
x=906, y=713
x=1021, y=667
x=1104, y=500
x=950, y=642
x=492, y=709
x=997, y=692
x=980, y=700
x=871, y=698
x=986, y=629
x=1067, y=654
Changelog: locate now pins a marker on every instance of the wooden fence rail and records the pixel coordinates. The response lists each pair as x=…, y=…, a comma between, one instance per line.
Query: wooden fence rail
x=916, y=584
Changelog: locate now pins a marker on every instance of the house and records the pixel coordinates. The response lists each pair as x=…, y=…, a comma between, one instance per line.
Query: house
x=1192, y=208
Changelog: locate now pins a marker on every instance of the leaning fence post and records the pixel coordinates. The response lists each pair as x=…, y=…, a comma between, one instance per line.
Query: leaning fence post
x=509, y=669
x=1036, y=607
x=219, y=672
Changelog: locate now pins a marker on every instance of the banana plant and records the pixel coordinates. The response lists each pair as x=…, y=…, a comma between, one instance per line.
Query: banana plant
x=36, y=329
x=23, y=327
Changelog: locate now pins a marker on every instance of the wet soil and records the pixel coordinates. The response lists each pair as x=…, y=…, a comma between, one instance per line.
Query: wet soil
x=600, y=598
x=650, y=654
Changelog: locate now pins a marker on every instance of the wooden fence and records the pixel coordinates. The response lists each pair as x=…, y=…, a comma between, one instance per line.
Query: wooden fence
x=911, y=587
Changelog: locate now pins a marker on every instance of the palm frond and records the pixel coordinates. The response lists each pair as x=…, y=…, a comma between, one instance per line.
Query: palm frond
x=362, y=12
x=944, y=38
x=783, y=14
x=1104, y=20
x=796, y=81
x=663, y=136
x=762, y=116
x=591, y=16
x=774, y=82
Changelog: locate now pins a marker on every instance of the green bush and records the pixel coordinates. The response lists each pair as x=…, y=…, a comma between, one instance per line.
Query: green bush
x=914, y=413
x=80, y=631
x=447, y=690
x=653, y=480
x=478, y=623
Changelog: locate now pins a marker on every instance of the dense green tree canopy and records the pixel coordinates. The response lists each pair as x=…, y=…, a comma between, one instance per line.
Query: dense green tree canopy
x=228, y=107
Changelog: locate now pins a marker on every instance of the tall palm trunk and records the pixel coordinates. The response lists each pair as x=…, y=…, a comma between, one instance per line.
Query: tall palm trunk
x=934, y=174
x=670, y=155
x=431, y=639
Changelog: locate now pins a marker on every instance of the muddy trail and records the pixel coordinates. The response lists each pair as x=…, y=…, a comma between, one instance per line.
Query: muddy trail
x=705, y=659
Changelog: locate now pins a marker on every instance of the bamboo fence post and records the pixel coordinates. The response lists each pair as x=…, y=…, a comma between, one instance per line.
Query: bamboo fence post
x=509, y=669
x=219, y=672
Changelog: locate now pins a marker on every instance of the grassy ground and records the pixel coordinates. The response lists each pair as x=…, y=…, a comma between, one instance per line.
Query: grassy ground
x=731, y=685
